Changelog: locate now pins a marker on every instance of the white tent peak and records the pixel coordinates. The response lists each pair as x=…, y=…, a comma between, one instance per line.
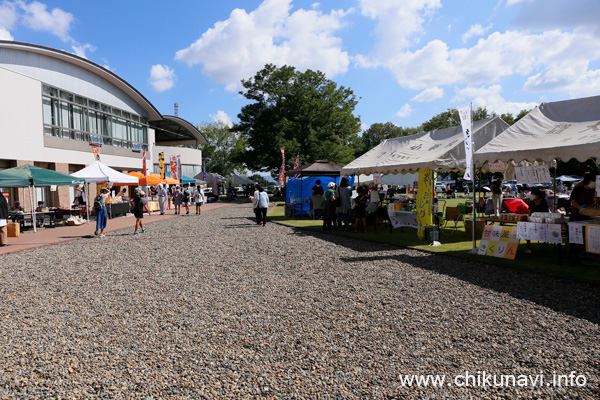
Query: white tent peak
x=558, y=130
x=441, y=149
x=98, y=172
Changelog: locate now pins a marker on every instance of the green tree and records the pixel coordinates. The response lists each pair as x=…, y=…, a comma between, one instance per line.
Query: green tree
x=304, y=112
x=261, y=180
x=450, y=118
x=377, y=133
x=224, y=148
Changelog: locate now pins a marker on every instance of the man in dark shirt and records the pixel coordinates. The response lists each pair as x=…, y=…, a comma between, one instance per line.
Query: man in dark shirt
x=497, y=194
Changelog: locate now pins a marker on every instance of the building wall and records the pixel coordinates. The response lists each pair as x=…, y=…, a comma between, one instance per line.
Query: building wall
x=189, y=158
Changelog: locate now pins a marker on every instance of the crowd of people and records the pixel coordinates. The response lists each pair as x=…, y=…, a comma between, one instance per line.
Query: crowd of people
x=138, y=202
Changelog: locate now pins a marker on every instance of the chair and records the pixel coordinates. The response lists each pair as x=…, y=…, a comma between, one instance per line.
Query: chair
x=452, y=215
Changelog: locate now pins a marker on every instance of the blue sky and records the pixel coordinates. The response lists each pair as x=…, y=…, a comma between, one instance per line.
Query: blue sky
x=407, y=60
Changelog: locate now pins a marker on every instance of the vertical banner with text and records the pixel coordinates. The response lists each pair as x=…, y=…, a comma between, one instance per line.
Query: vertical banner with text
x=144, y=170
x=425, y=200
x=282, y=171
x=466, y=121
x=96, y=151
x=173, y=167
x=161, y=165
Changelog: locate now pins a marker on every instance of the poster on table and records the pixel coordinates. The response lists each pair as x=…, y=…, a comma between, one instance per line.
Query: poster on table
x=592, y=243
x=539, y=232
x=576, y=232
x=399, y=219
x=499, y=241
x=424, y=200
x=531, y=175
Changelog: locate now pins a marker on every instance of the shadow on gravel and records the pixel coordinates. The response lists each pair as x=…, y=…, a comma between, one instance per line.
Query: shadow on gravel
x=578, y=299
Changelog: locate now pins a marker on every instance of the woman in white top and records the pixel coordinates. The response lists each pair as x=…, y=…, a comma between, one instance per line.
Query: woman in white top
x=198, y=199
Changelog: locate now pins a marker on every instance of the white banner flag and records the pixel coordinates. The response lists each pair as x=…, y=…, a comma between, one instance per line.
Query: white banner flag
x=466, y=121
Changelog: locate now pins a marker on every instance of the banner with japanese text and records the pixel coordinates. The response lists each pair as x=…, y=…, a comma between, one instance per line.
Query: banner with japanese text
x=144, y=170
x=466, y=121
x=174, y=167
x=96, y=151
x=425, y=200
x=161, y=165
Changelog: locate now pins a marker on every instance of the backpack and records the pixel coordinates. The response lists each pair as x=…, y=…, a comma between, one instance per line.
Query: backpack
x=98, y=203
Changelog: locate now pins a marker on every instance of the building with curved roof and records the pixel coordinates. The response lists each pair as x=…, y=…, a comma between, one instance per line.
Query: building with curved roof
x=55, y=107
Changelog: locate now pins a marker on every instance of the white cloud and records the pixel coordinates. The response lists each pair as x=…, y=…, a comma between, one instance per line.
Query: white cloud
x=398, y=24
x=221, y=116
x=430, y=94
x=581, y=15
x=405, y=111
x=57, y=21
x=238, y=47
x=490, y=98
x=493, y=58
x=5, y=34
x=80, y=50
x=513, y=2
x=475, y=30
x=8, y=15
x=161, y=77
x=575, y=79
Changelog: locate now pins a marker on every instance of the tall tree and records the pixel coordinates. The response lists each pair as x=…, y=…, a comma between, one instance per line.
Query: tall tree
x=450, y=118
x=304, y=112
x=377, y=133
x=224, y=148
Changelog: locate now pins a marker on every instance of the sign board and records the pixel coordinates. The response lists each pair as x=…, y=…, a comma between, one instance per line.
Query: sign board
x=498, y=166
x=499, y=241
x=592, y=239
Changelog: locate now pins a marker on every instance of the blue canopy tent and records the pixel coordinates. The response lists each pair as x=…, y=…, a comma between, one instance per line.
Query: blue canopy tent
x=183, y=179
x=298, y=190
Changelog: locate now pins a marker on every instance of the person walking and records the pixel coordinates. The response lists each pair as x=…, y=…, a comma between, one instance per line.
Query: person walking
x=177, y=199
x=198, y=199
x=101, y=214
x=161, y=194
x=186, y=199
x=3, y=220
x=262, y=205
x=139, y=205
x=255, y=202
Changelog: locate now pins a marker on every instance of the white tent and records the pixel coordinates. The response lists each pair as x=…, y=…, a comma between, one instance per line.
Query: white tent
x=98, y=172
x=559, y=130
x=439, y=150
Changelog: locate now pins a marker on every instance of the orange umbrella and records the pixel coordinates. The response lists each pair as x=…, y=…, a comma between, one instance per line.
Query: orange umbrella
x=167, y=180
x=150, y=180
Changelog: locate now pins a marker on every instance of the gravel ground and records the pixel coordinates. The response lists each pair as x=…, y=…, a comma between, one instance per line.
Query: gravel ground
x=218, y=307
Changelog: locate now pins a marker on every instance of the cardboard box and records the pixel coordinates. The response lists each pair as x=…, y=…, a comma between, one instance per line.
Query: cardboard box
x=479, y=225
x=14, y=229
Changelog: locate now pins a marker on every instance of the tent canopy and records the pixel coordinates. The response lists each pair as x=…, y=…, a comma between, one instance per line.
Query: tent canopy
x=183, y=178
x=439, y=150
x=8, y=179
x=209, y=176
x=35, y=176
x=317, y=168
x=98, y=172
x=240, y=180
x=559, y=130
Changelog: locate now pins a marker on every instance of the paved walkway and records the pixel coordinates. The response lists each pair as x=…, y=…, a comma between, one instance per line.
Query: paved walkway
x=49, y=236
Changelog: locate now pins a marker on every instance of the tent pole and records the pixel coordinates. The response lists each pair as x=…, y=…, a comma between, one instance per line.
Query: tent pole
x=87, y=202
x=474, y=250
x=31, y=195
